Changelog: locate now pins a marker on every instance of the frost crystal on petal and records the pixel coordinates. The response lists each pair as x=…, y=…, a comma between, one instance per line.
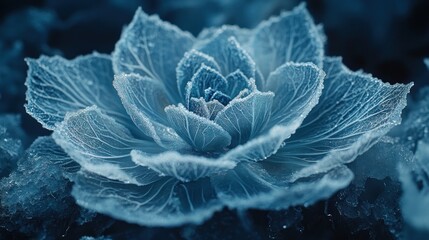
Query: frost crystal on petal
x=57, y=86
x=235, y=117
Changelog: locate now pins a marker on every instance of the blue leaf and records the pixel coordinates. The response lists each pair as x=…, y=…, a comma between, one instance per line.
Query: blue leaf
x=189, y=65
x=261, y=147
x=199, y=107
x=153, y=48
x=101, y=145
x=290, y=37
x=205, y=79
x=353, y=111
x=214, y=107
x=244, y=118
x=182, y=167
x=237, y=82
x=167, y=202
x=249, y=185
x=145, y=100
x=297, y=88
x=229, y=55
x=201, y=133
x=57, y=86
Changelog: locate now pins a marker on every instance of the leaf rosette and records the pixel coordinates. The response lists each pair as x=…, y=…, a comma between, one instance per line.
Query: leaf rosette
x=171, y=128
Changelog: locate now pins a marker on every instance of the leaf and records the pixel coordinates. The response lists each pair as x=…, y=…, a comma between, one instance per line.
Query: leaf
x=202, y=134
x=189, y=65
x=237, y=82
x=229, y=55
x=244, y=118
x=101, y=145
x=290, y=37
x=153, y=48
x=166, y=202
x=354, y=110
x=145, y=100
x=249, y=185
x=297, y=88
x=57, y=86
x=182, y=167
x=205, y=79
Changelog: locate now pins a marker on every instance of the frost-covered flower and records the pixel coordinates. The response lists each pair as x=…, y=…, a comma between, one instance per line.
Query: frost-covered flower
x=240, y=118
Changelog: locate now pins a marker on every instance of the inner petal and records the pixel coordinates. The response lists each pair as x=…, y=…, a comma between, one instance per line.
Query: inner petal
x=205, y=78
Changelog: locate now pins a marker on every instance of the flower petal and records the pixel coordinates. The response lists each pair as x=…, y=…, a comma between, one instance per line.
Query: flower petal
x=189, y=65
x=229, y=55
x=297, y=88
x=244, y=118
x=237, y=82
x=167, y=202
x=182, y=167
x=290, y=37
x=250, y=185
x=205, y=78
x=101, y=145
x=151, y=47
x=354, y=110
x=145, y=100
x=261, y=147
x=57, y=86
x=201, y=133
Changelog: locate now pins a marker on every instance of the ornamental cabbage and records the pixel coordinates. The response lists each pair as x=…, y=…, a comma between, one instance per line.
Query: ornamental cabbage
x=171, y=128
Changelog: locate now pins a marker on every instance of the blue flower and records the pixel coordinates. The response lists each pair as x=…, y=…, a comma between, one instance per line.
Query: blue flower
x=234, y=117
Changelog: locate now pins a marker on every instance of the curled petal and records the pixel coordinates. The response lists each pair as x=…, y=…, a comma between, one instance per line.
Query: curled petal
x=229, y=55
x=189, y=65
x=204, y=79
x=250, y=185
x=101, y=145
x=237, y=82
x=182, y=167
x=57, y=86
x=145, y=100
x=297, y=88
x=139, y=50
x=290, y=37
x=261, y=147
x=201, y=133
x=167, y=202
x=244, y=118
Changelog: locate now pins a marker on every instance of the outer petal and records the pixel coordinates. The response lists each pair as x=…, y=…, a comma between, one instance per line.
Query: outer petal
x=201, y=133
x=244, y=118
x=290, y=37
x=189, y=65
x=297, y=88
x=353, y=111
x=167, y=202
x=182, y=167
x=101, y=145
x=151, y=47
x=145, y=100
x=57, y=86
x=250, y=185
